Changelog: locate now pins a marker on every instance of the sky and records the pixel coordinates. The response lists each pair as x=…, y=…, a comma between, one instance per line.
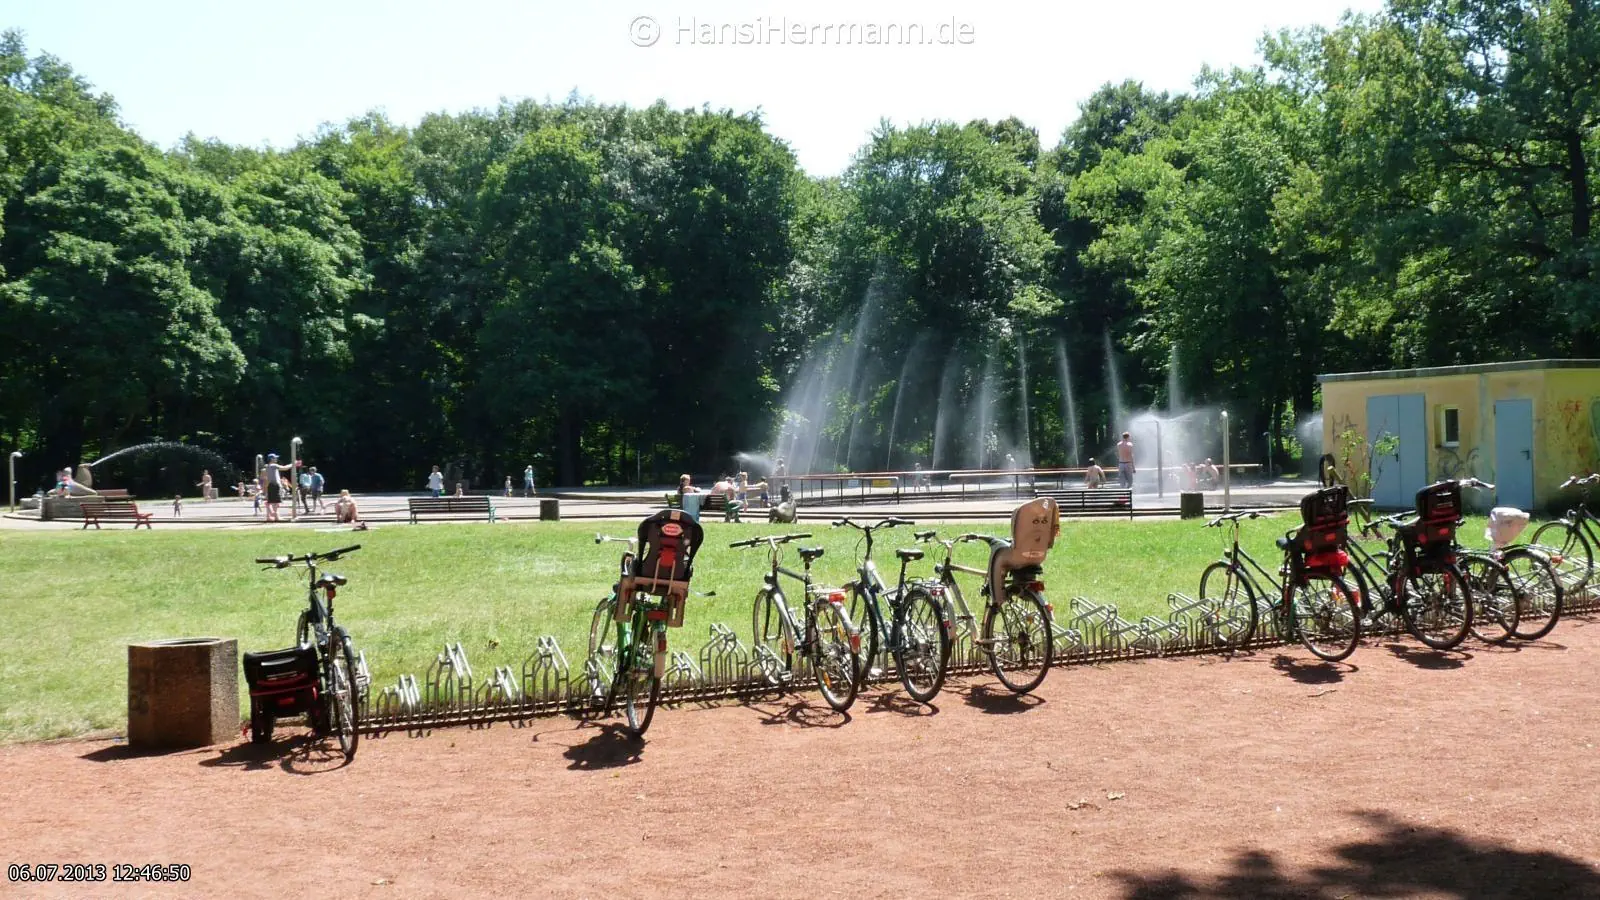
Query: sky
x=823, y=74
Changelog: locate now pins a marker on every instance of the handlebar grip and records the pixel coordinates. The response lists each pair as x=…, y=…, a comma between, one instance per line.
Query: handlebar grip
x=343, y=550
x=267, y=560
x=796, y=537
x=896, y=520
x=839, y=522
x=738, y=544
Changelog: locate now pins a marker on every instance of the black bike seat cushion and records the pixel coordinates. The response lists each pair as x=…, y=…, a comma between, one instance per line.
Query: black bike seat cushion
x=810, y=553
x=909, y=554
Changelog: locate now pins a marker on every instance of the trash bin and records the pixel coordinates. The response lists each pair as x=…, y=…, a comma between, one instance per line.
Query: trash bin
x=549, y=509
x=1191, y=505
x=183, y=693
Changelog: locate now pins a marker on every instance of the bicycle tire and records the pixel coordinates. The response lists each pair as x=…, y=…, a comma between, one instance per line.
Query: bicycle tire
x=600, y=666
x=1437, y=607
x=1233, y=623
x=344, y=714
x=302, y=630
x=261, y=723
x=1327, y=618
x=1574, y=561
x=867, y=625
x=834, y=661
x=644, y=686
x=1539, y=594
x=1495, y=610
x=770, y=649
x=924, y=644
x=1028, y=642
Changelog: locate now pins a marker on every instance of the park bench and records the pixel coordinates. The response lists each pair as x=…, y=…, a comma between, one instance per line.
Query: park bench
x=712, y=503
x=114, y=510
x=1092, y=500
x=450, y=507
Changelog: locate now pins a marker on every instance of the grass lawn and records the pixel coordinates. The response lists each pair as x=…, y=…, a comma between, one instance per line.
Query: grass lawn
x=70, y=602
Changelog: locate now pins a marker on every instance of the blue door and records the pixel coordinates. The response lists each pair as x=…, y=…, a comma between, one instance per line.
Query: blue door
x=1399, y=422
x=1513, y=453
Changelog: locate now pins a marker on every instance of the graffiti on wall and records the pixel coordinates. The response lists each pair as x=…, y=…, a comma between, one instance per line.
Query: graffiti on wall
x=1577, y=432
x=1452, y=463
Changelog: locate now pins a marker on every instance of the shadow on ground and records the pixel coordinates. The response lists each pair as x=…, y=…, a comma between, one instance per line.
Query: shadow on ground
x=1401, y=861
x=998, y=701
x=608, y=748
x=1308, y=671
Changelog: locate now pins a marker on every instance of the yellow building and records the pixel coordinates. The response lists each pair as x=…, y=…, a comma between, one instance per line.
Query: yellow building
x=1524, y=426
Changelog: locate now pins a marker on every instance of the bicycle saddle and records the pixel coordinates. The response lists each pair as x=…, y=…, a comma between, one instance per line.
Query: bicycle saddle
x=327, y=578
x=810, y=553
x=1284, y=543
x=909, y=554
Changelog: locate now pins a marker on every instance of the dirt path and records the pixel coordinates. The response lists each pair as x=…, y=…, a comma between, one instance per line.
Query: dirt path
x=1408, y=774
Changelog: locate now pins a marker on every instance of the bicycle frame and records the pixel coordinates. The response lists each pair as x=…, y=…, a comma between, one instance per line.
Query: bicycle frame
x=956, y=599
x=794, y=637
x=869, y=584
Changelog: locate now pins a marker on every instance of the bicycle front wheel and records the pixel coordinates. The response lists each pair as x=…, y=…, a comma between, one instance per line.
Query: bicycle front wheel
x=1327, y=618
x=835, y=653
x=642, y=687
x=600, y=666
x=770, y=649
x=1437, y=607
x=1570, y=553
x=1018, y=641
x=866, y=623
x=924, y=644
x=1230, y=610
x=344, y=714
x=1494, y=611
x=1536, y=588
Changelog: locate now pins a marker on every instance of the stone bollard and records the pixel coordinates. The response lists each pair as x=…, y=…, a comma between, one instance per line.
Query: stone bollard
x=1191, y=505
x=549, y=509
x=183, y=693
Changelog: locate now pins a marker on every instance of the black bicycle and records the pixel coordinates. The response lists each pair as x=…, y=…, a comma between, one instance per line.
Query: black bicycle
x=1571, y=539
x=916, y=632
x=1314, y=605
x=1017, y=635
x=825, y=637
x=319, y=675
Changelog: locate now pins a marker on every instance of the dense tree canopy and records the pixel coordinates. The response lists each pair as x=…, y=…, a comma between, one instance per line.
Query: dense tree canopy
x=614, y=293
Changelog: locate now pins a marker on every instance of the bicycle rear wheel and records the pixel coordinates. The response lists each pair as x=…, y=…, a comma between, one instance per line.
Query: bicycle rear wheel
x=1437, y=606
x=835, y=655
x=1494, y=612
x=1536, y=587
x=1018, y=641
x=641, y=686
x=1571, y=554
x=924, y=644
x=344, y=714
x=1327, y=618
x=1230, y=611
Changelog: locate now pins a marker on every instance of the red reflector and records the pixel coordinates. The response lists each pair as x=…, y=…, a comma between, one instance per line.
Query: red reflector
x=1036, y=586
x=836, y=597
x=656, y=615
x=855, y=643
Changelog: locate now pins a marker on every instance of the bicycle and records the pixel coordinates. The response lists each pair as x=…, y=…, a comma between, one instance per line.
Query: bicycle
x=826, y=637
x=1422, y=577
x=1315, y=605
x=647, y=599
x=1572, y=538
x=919, y=638
x=319, y=676
x=1018, y=633
x=600, y=666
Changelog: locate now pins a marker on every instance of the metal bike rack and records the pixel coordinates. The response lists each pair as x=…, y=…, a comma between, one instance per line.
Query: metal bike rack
x=725, y=662
x=546, y=677
x=682, y=675
x=449, y=684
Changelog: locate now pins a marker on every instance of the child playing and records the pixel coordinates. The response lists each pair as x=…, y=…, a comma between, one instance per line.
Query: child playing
x=177, y=506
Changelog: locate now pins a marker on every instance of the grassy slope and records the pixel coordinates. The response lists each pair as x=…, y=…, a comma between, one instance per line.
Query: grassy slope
x=70, y=602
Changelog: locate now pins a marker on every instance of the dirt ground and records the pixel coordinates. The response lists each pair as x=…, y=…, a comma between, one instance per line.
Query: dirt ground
x=1405, y=774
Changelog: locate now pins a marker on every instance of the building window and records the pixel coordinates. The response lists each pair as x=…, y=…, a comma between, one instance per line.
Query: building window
x=1449, y=426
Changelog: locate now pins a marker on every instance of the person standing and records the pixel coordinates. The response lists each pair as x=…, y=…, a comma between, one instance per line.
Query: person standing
x=317, y=484
x=508, y=485
x=1125, y=461
x=303, y=480
x=205, y=485
x=272, y=480
x=436, y=482
x=527, y=481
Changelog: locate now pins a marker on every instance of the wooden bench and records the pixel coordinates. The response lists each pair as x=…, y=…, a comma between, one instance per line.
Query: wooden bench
x=450, y=507
x=712, y=502
x=114, y=510
x=1092, y=500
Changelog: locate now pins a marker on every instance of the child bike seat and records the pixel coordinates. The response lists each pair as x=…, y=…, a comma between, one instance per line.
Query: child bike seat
x=273, y=665
x=1034, y=527
x=668, y=542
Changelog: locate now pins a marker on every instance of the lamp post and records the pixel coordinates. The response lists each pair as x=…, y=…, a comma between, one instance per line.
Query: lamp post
x=294, y=479
x=1161, y=478
x=1266, y=439
x=11, y=470
x=1227, y=471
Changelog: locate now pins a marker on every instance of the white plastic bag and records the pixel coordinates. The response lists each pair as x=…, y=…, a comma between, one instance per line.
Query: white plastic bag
x=1505, y=523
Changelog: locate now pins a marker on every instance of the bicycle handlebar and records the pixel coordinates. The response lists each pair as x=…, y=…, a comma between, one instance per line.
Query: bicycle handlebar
x=284, y=561
x=1583, y=481
x=1475, y=483
x=989, y=539
x=890, y=522
x=1234, y=517
x=770, y=540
